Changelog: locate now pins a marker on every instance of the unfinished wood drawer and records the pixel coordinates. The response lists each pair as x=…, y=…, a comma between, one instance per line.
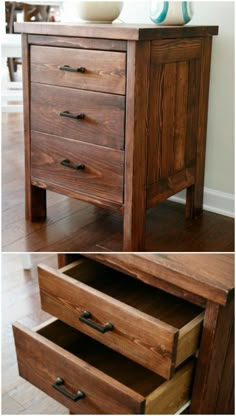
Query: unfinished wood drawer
x=153, y=328
x=85, y=69
x=77, y=166
x=80, y=115
x=89, y=378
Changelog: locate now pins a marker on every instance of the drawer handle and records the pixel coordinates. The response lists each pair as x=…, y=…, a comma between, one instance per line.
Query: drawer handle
x=84, y=317
x=57, y=385
x=71, y=69
x=67, y=163
x=70, y=115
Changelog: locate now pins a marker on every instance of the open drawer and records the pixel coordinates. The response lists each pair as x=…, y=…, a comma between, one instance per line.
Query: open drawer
x=90, y=378
x=151, y=327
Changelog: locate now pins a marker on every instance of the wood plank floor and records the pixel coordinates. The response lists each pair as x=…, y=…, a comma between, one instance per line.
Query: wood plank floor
x=76, y=226
x=20, y=302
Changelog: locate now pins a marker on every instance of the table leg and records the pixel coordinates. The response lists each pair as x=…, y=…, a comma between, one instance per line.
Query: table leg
x=213, y=388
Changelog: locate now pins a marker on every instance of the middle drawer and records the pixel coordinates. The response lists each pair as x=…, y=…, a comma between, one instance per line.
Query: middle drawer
x=88, y=116
x=153, y=328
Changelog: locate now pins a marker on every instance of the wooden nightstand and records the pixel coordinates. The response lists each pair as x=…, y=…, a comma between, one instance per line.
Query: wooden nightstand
x=128, y=334
x=115, y=115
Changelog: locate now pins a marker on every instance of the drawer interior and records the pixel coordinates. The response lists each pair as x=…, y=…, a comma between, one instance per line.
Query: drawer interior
x=133, y=292
x=103, y=358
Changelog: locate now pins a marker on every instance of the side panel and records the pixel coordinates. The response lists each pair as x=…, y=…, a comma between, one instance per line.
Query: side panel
x=173, y=117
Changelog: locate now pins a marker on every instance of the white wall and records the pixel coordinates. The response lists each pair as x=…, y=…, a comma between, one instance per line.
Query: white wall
x=220, y=137
x=219, y=174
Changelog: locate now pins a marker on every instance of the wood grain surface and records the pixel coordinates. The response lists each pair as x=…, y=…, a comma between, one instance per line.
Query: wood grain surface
x=209, y=276
x=101, y=177
x=103, y=123
x=74, y=225
x=81, y=43
x=20, y=301
x=194, y=204
x=120, y=31
x=136, y=145
x=35, y=198
x=172, y=137
x=175, y=50
x=104, y=71
x=128, y=305
x=41, y=361
x=101, y=375
x=126, y=337
x=213, y=390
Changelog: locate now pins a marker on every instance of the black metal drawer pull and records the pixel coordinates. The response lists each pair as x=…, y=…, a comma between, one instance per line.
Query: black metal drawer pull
x=84, y=317
x=71, y=69
x=57, y=385
x=67, y=163
x=70, y=115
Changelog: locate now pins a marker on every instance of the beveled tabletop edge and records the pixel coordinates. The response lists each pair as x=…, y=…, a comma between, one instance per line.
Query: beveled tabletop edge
x=117, y=31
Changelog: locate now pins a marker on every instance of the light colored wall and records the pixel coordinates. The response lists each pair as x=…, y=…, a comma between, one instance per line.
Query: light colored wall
x=220, y=135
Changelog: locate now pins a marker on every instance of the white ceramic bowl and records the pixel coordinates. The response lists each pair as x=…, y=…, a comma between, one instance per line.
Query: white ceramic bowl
x=99, y=11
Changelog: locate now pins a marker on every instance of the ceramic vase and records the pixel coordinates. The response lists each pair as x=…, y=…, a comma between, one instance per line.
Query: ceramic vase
x=170, y=13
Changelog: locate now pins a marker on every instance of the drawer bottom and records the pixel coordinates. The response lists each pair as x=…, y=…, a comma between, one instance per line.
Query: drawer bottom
x=90, y=378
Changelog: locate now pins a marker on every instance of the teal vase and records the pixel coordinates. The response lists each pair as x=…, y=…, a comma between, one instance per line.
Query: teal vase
x=170, y=13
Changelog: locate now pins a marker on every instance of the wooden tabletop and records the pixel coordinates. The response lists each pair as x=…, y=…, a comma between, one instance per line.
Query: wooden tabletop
x=114, y=31
x=210, y=276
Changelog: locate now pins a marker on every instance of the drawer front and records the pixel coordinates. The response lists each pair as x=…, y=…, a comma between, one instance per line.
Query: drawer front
x=99, y=170
x=102, y=70
x=89, y=378
x=101, y=116
x=150, y=342
x=42, y=361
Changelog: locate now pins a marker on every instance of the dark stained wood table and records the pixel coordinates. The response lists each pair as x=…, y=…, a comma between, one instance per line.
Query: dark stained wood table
x=115, y=115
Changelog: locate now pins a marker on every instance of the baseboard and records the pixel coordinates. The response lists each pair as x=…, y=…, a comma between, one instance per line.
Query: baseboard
x=214, y=201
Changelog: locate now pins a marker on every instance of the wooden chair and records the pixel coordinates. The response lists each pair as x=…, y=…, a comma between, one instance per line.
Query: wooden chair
x=10, y=48
x=30, y=13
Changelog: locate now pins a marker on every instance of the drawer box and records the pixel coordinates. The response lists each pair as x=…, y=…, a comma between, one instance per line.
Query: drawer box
x=103, y=70
x=153, y=328
x=103, y=121
x=101, y=174
x=108, y=382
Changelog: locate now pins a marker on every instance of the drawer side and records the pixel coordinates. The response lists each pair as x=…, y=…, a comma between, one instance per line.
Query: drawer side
x=173, y=394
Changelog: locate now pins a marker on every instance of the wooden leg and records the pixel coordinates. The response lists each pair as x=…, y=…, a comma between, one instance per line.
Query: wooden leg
x=136, y=145
x=194, y=201
x=134, y=227
x=35, y=205
x=213, y=387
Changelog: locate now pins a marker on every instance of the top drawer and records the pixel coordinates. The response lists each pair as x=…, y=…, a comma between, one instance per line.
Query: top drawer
x=153, y=328
x=102, y=70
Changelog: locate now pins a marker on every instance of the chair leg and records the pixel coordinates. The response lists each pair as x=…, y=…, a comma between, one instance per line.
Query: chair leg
x=10, y=64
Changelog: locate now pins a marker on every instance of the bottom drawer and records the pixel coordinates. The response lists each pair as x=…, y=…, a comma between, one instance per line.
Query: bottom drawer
x=90, y=378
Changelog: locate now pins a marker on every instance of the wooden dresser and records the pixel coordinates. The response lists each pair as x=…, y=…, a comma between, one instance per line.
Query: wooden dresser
x=136, y=333
x=115, y=115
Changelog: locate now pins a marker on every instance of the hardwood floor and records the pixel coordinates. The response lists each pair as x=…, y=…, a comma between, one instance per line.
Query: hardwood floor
x=77, y=226
x=20, y=301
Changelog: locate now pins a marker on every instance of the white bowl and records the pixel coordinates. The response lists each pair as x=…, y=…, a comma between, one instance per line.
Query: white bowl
x=99, y=11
